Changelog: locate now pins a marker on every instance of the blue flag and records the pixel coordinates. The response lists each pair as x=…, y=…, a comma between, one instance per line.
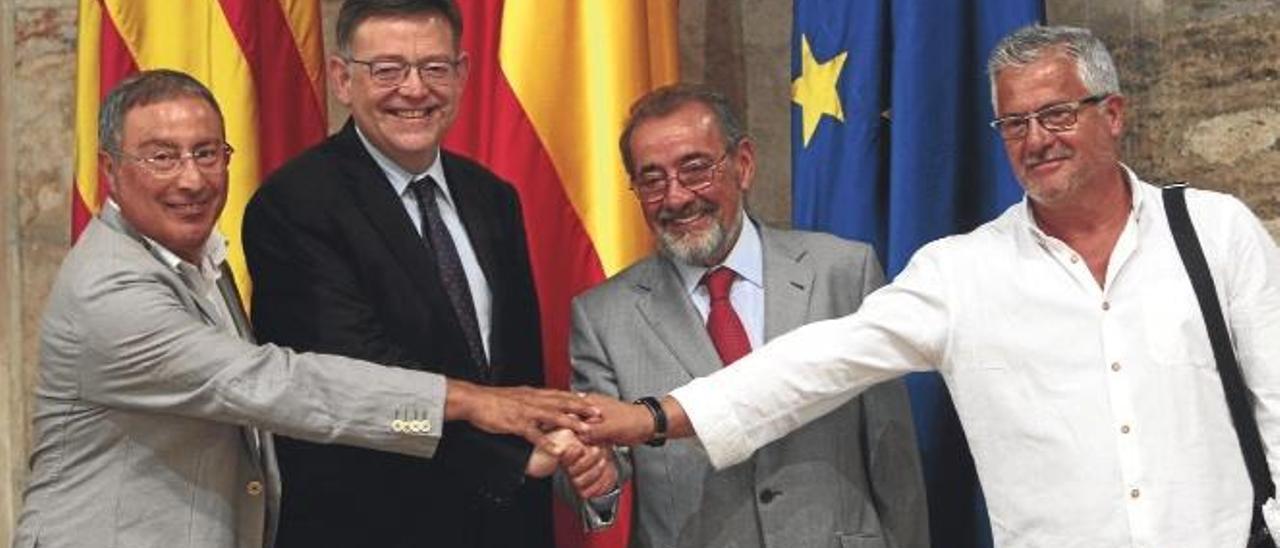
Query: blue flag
x=890, y=145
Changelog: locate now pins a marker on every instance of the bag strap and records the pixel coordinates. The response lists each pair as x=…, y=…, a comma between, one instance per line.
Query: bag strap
x=1238, y=401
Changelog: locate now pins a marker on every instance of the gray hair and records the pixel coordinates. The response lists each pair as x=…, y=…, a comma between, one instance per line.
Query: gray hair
x=146, y=88
x=354, y=12
x=665, y=100
x=1032, y=43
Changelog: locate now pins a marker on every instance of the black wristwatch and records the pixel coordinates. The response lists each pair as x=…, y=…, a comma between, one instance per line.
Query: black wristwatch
x=659, y=420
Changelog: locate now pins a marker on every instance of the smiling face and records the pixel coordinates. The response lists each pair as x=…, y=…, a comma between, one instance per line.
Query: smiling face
x=693, y=227
x=177, y=211
x=408, y=121
x=1055, y=167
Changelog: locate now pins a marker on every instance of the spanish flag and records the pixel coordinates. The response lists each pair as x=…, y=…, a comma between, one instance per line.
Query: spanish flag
x=263, y=60
x=550, y=86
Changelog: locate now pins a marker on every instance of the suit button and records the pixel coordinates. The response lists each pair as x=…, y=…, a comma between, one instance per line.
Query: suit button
x=254, y=488
x=768, y=495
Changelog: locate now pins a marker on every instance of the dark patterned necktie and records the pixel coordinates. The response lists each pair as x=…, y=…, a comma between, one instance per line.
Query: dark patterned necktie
x=723, y=324
x=452, y=275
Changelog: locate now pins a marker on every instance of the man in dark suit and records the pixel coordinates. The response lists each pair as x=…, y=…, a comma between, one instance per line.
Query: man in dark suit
x=379, y=245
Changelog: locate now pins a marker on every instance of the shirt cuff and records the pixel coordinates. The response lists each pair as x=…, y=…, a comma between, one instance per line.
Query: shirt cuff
x=714, y=422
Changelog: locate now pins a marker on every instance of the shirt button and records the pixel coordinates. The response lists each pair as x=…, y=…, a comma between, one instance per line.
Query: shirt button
x=1115, y=366
x=1134, y=493
x=254, y=488
x=1106, y=305
x=1075, y=259
x=768, y=495
x=1124, y=429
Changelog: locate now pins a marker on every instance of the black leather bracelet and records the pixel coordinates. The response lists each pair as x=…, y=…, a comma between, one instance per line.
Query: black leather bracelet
x=659, y=420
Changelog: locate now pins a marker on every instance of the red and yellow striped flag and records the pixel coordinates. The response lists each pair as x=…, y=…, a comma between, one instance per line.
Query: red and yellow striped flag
x=263, y=60
x=549, y=90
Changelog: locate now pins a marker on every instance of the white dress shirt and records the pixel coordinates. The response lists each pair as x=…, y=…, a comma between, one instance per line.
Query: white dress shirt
x=400, y=179
x=1095, y=414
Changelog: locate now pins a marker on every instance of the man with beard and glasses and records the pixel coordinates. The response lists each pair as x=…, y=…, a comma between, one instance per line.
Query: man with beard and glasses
x=721, y=284
x=1067, y=332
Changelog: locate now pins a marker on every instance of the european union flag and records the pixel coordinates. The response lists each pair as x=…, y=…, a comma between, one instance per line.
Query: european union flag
x=890, y=145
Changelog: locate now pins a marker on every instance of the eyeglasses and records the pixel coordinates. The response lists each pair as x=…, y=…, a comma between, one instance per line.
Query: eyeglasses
x=1056, y=118
x=392, y=73
x=695, y=176
x=209, y=159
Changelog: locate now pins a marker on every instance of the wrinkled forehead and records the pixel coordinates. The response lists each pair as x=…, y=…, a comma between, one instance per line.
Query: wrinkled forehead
x=172, y=121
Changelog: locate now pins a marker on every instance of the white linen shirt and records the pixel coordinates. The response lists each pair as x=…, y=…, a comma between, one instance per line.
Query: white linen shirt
x=1095, y=415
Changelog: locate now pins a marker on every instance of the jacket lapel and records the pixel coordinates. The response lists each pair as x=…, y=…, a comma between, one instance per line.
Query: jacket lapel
x=256, y=443
x=475, y=212
x=665, y=307
x=111, y=217
x=385, y=211
x=788, y=283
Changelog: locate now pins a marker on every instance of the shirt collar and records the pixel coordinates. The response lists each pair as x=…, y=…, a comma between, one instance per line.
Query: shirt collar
x=1028, y=218
x=399, y=177
x=746, y=258
x=211, y=258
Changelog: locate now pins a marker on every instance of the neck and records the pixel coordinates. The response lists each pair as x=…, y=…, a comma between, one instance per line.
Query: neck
x=1090, y=225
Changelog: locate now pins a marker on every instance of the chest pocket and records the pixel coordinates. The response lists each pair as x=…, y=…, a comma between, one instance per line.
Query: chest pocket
x=1174, y=327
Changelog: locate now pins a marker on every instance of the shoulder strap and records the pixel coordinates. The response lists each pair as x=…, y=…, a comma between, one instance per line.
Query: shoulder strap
x=1238, y=401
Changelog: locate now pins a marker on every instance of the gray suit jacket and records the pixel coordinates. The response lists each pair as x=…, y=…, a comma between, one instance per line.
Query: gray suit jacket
x=851, y=478
x=148, y=406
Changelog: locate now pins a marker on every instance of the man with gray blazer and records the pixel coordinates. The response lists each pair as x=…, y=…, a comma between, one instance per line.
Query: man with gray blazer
x=720, y=285
x=152, y=403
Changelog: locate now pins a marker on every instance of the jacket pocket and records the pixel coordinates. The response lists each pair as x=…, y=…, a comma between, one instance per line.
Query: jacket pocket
x=861, y=540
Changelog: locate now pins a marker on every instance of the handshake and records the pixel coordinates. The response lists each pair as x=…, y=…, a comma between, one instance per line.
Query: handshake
x=574, y=432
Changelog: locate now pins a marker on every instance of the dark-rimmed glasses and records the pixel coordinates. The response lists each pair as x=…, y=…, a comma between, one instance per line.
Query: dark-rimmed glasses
x=1056, y=118
x=695, y=175
x=211, y=159
x=390, y=73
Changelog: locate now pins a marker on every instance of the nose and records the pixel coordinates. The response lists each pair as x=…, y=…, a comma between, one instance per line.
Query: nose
x=677, y=195
x=189, y=176
x=413, y=85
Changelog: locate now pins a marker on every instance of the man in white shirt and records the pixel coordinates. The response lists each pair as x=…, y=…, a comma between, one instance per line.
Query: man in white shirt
x=1066, y=331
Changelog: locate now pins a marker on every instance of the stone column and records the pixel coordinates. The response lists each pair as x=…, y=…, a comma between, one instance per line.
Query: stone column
x=12, y=384
x=37, y=106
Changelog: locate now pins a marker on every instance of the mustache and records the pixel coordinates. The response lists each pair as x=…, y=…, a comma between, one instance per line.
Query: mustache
x=692, y=208
x=1048, y=155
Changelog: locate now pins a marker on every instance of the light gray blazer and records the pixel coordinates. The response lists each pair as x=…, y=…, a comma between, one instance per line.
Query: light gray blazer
x=148, y=409
x=849, y=479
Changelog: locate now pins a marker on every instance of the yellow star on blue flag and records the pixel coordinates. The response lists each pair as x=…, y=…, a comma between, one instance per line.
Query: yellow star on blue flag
x=815, y=89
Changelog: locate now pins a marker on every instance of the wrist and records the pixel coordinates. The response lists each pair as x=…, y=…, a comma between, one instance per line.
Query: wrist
x=658, y=435
x=458, y=400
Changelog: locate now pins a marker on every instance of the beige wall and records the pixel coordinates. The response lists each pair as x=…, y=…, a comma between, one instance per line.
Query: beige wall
x=1203, y=77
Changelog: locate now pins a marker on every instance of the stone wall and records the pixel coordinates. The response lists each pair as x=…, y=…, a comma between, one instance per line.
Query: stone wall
x=1203, y=78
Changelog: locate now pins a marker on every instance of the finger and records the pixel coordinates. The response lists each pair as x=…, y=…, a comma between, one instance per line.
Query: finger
x=590, y=472
x=590, y=457
x=554, y=420
x=600, y=487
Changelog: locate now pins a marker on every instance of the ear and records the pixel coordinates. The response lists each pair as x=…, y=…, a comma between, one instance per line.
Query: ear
x=745, y=158
x=464, y=68
x=340, y=79
x=1113, y=109
x=107, y=167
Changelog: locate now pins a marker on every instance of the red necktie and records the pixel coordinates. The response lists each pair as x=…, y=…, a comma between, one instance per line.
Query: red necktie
x=723, y=324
